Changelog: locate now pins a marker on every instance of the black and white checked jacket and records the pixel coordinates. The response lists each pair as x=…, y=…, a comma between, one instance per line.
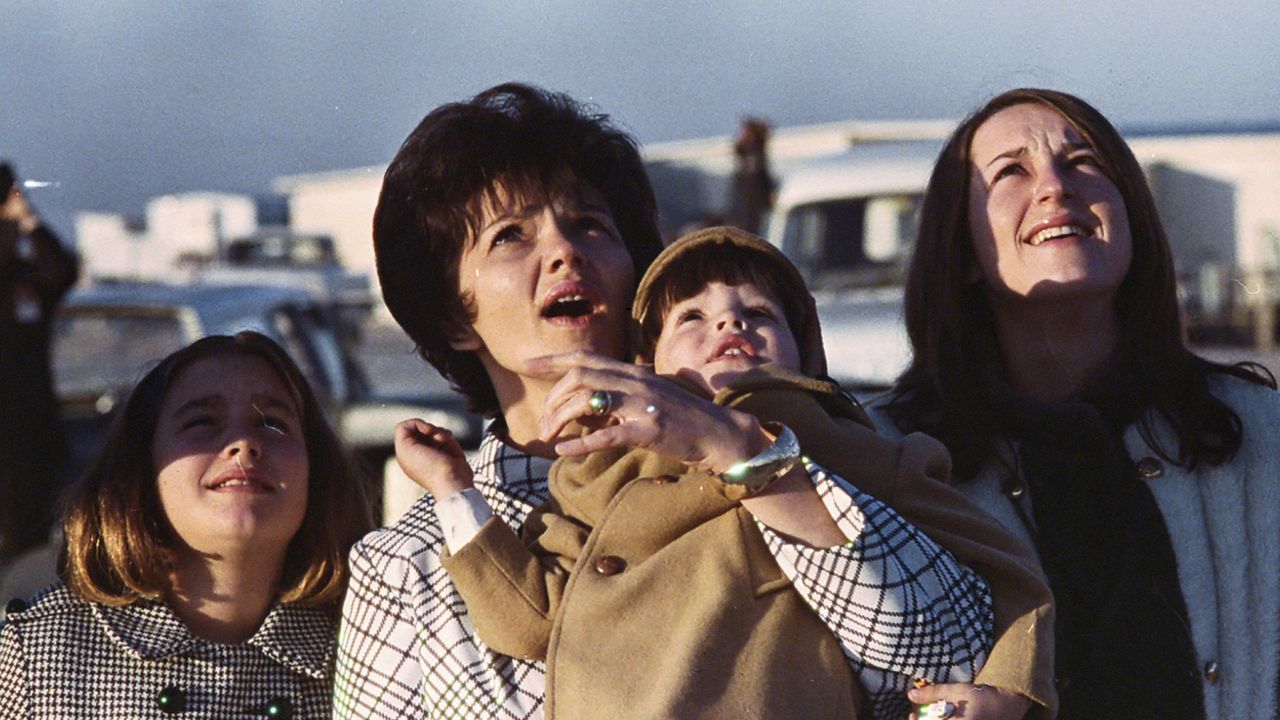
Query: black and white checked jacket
x=899, y=605
x=67, y=658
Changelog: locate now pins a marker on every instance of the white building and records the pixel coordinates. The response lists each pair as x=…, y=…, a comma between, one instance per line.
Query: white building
x=338, y=204
x=108, y=247
x=196, y=223
x=178, y=227
x=1219, y=196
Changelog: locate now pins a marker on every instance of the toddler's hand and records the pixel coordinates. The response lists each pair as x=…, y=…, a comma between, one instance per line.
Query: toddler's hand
x=971, y=702
x=432, y=458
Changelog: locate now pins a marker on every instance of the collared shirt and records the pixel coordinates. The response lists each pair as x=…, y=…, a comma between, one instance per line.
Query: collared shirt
x=65, y=657
x=899, y=605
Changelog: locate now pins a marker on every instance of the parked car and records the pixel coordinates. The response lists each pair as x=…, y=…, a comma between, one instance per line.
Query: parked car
x=280, y=256
x=109, y=334
x=848, y=222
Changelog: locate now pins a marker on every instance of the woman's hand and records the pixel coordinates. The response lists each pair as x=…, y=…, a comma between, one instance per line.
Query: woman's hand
x=653, y=412
x=973, y=702
x=645, y=411
x=432, y=458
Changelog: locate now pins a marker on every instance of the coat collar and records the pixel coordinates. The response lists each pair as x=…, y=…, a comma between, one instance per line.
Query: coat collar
x=509, y=471
x=297, y=637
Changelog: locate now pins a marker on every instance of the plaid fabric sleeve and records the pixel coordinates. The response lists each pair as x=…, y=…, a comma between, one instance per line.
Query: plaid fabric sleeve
x=13, y=696
x=406, y=647
x=901, y=607
x=378, y=674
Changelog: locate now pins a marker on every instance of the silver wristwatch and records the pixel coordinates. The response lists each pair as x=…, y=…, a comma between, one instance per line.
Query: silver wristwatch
x=772, y=463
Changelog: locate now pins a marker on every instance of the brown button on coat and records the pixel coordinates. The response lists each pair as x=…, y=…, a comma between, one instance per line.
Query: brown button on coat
x=694, y=617
x=910, y=475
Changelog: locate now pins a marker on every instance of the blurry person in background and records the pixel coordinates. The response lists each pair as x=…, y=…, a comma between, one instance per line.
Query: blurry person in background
x=752, y=191
x=35, y=272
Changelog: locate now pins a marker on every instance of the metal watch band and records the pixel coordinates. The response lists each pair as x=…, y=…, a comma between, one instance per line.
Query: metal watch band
x=772, y=463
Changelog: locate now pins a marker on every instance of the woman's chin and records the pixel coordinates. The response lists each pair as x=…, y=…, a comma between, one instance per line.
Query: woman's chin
x=595, y=337
x=1063, y=288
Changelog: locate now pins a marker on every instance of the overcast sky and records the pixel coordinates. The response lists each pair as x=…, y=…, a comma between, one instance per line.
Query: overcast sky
x=120, y=101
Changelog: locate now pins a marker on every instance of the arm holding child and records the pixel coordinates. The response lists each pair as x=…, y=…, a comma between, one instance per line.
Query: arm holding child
x=910, y=476
x=827, y=535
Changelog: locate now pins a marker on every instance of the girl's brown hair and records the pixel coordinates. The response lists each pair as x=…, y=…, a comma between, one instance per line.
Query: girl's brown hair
x=952, y=330
x=120, y=548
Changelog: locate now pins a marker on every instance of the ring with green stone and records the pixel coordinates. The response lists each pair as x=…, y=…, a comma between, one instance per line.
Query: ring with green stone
x=600, y=402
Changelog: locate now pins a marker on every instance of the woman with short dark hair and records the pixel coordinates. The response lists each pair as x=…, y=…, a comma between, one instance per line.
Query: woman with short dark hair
x=510, y=234
x=1049, y=358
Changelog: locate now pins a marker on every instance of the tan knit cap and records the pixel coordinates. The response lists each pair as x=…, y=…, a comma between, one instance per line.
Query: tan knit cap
x=813, y=359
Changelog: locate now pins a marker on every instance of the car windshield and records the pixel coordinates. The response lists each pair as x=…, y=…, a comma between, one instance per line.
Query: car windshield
x=852, y=242
x=94, y=353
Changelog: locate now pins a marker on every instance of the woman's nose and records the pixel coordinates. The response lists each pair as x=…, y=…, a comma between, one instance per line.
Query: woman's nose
x=244, y=444
x=560, y=246
x=1052, y=183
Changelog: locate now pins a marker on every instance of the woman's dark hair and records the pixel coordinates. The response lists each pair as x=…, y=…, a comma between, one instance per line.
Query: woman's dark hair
x=524, y=141
x=120, y=548
x=952, y=329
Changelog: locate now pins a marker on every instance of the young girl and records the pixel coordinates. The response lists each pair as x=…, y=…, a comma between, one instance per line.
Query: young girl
x=206, y=552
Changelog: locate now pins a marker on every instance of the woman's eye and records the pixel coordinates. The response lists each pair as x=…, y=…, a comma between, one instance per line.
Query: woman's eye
x=594, y=224
x=760, y=311
x=196, y=421
x=1084, y=160
x=275, y=424
x=688, y=316
x=1007, y=171
x=510, y=233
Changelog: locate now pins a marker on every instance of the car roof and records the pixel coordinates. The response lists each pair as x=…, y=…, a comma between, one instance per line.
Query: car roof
x=865, y=169
x=218, y=306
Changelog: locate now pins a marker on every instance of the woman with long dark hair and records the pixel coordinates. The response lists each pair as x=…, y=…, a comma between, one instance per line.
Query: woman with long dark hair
x=1049, y=358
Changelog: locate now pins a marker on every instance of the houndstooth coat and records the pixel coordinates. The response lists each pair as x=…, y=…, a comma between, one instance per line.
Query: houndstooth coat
x=68, y=658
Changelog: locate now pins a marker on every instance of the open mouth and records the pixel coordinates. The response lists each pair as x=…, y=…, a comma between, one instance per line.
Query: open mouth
x=571, y=306
x=1056, y=232
x=570, y=301
x=732, y=347
x=239, y=481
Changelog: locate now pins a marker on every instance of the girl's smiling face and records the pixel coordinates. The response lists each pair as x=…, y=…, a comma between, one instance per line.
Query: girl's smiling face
x=229, y=456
